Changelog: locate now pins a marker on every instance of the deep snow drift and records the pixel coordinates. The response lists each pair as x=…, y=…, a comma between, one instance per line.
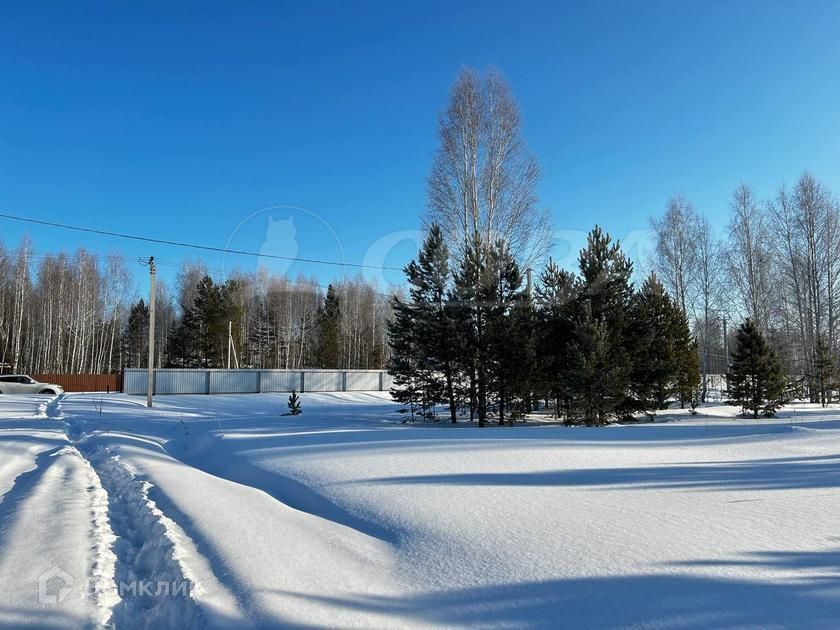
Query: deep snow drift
x=226, y=513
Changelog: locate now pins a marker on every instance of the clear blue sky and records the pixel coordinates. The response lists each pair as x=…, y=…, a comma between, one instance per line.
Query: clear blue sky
x=181, y=120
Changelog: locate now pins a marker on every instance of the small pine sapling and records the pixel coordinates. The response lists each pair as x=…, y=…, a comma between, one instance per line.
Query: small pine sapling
x=294, y=404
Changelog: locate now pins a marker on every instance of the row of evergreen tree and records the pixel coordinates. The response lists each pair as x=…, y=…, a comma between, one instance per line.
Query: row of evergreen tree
x=199, y=336
x=479, y=339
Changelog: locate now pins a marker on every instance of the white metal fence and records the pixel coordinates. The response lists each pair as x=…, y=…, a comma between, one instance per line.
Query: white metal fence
x=200, y=381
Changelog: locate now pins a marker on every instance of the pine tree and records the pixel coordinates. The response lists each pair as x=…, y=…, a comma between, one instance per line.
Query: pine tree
x=429, y=279
x=135, y=340
x=294, y=404
x=598, y=382
x=687, y=355
x=402, y=366
x=509, y=350
x=187, y=338
x=557, y=294
x=214, y=308
x=599, y=349
x=469, y=315
x=756, y=380
x=653, y=377
x=263, y=335
x=605, y=273
x=179, y=343
x=416, y=383
x=664, y=356
x=328, y=353
x=521, y=359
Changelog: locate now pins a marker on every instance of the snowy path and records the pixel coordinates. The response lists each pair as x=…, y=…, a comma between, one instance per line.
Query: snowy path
x=58, y=510
x=162, y=580
x=344, y=518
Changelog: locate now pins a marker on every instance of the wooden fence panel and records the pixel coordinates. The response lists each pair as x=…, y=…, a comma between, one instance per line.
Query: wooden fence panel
x=83, y=382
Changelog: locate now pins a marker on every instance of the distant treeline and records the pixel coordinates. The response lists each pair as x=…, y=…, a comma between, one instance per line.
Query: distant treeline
x=778, y=265
x=79, y=313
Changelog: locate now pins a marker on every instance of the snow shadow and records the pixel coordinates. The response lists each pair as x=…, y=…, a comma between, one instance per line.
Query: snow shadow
x=764, y=474
x=22, y=487
x=44, y=619
x=826, y=562
x=606, y=602
x=284, y=489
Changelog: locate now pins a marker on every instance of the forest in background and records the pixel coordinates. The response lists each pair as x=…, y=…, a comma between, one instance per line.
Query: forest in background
x=778, y=265
x=79, y=314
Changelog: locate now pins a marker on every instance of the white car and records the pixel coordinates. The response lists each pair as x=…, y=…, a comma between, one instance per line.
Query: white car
x=22, y=384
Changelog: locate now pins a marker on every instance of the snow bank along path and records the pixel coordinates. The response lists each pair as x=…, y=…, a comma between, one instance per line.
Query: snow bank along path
x=130, y=574
x=342, y=517
x=53, y=516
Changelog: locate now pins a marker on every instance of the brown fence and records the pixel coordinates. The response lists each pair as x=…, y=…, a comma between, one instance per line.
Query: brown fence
x=83, y=382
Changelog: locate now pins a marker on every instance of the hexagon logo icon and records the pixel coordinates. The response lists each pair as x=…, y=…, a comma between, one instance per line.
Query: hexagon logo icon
x=54, y=585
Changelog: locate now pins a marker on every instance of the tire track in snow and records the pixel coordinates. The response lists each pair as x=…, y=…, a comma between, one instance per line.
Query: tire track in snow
x=103, y=569
x=137, y=546
x=61, y=485
x=147, y=554
x=101, y=587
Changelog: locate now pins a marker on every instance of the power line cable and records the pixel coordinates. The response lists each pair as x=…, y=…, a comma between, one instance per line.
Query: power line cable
x=210, y=248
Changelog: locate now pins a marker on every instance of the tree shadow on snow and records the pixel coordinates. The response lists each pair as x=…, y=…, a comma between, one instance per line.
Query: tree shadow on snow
x=764, y=474
x=661, y=600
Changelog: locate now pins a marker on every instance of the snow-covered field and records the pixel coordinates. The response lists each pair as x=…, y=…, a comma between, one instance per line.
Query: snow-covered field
x=216, y=511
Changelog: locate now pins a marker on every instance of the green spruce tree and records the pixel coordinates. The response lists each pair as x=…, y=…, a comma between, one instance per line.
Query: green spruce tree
x=663, y=352
x=403, y=338
x=687, y=358
x=598, y=382
x=653, y=376
x=135, y=341
x=429, y=281
x=599, y=350
x=557, y=295
x=328, y=352
x=294, y=404
x=215, y=306
x=468, y=297
x=756, y=379
x=509, y=351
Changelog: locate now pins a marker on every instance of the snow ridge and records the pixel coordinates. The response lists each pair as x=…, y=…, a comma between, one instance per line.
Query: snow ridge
x=137, y=578
x=102, y=586
x=51, y=409
x=147, y=554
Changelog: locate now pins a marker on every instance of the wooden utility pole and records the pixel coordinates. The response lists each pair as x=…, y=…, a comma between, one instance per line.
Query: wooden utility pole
x=231, y=347
x=150, y=390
